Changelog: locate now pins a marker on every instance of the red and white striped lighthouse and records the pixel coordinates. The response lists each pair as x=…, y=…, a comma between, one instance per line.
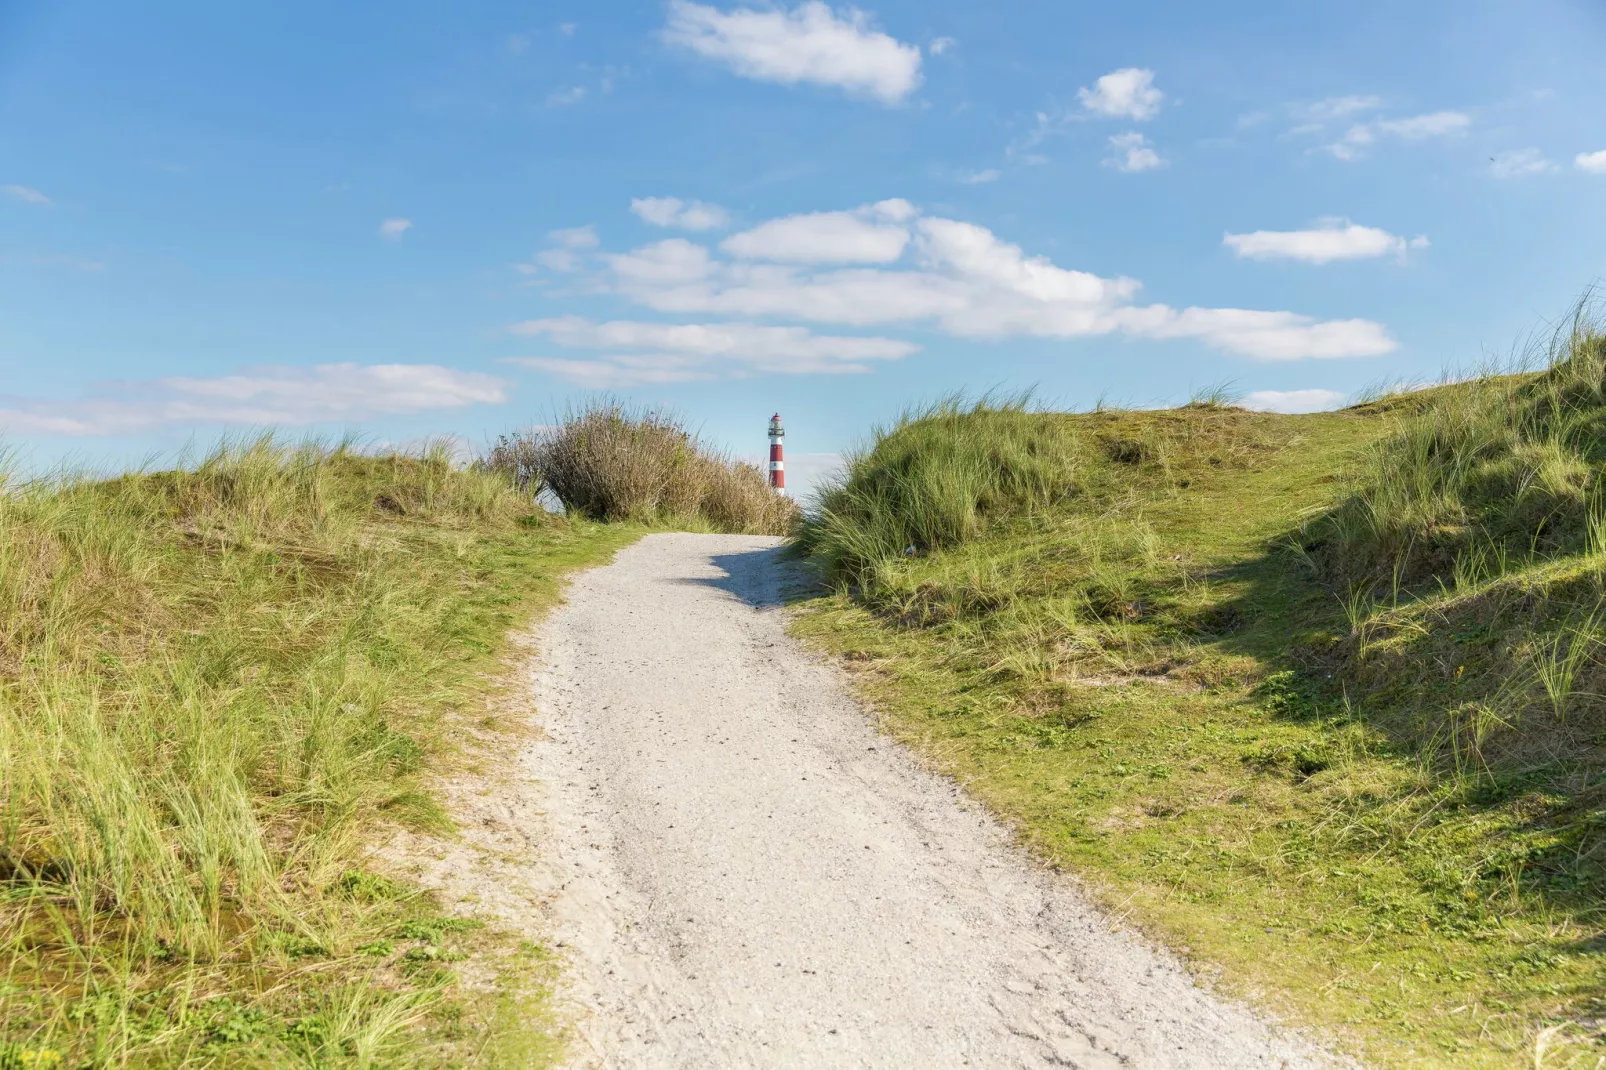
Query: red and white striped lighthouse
x=777, y=465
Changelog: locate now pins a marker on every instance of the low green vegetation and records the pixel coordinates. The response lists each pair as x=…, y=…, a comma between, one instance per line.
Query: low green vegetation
x=219, y=686
x=1320, y=700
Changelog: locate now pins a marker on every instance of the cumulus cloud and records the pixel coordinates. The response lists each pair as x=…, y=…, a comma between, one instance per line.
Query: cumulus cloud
x=1313, y=400
x=809, y=43
x=1520, y=163
x=26, y=194
x=268, y=396
x=393, y=229
x=955, y=276
x=870, y=235
x=1331, y=239
x=1593, y=162
x=674, y=212
x=677, y=352
x=1128, y=93
x=1132, y=153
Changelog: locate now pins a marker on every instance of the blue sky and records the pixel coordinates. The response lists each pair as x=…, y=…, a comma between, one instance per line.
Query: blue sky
x=410, y=219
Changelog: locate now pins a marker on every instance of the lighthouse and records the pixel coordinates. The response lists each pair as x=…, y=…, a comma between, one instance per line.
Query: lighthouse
x=777, y=465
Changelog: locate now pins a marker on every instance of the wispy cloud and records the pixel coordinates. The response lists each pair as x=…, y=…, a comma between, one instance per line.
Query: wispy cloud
x=674, y=212
x=1333, y=108
x=1132, y=153
x=1359, y=137
x=1520, y=163
x=1420, y=127
x=265, y=397
x=27, y=194
x=1128, y=93
x=564, y=96
x=679, y=352
x=1312, y=400
x=941, y=46
x=978, y=178
x=809, y=43
x=393, y=229
x=1329, y=240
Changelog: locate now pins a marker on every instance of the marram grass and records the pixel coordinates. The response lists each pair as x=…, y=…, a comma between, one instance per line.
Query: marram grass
x=1317, y=700
x=217, y=686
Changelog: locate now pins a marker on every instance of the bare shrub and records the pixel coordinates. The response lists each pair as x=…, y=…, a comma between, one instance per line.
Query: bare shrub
x=609, y=461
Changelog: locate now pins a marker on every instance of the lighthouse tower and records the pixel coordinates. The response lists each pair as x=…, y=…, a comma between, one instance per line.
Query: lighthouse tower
x=777, y=465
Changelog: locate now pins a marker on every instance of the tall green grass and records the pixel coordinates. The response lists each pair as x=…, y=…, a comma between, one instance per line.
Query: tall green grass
x=608, y=461
x=935, y=479
x=215, y=683
x=1371, y=788
x=1483, y=476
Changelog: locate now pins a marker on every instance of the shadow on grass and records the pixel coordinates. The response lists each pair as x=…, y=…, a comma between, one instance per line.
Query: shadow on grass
x=1534, y=792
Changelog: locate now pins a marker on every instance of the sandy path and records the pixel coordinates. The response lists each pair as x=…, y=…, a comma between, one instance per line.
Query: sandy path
x=747, y=875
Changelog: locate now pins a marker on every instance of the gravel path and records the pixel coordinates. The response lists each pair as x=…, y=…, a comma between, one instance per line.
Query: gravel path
x=748, y=875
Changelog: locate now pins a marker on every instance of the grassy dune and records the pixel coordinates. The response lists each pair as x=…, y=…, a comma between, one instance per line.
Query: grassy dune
x=218, y=687
x=1320, y=700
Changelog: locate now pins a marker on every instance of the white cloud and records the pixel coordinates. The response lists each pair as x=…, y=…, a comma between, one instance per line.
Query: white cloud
x=1331, y=239
x=677, y=352
x=1133, y=153
x=978, y=178
x=1593, y=162
x=1271, y=336
x=616, y=373
x=575, y=237
x=27, y=194
x=565, y=95
x=1520, y=163
x=674, y=212
x=870, y=235
x=393, y=229
x=810, y=43
x=1413, y=128
x=1324, y=111
x=1128, y=93
x=965, y=281
x=1353, y=143
x=1420, y=127
x=746, y=341
x=1314, y=400
x=941, y=45
x=269, y=396
x=674, y=260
